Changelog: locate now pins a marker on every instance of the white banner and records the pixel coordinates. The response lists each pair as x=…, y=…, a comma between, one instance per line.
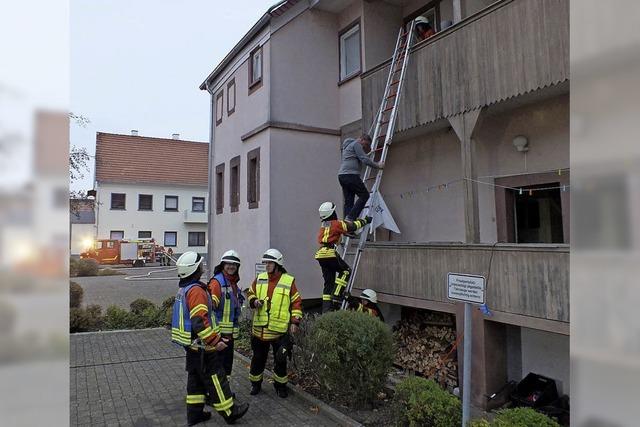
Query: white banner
x=381, y=214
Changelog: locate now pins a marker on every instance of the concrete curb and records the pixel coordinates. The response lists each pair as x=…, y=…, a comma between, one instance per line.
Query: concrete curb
x=113, y=331
x=327, y=410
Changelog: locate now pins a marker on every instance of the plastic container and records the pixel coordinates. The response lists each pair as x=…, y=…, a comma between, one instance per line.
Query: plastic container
x=535, y=391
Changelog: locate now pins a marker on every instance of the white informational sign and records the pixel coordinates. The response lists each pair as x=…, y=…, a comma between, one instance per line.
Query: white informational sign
x=260, y=268
x=465, y=288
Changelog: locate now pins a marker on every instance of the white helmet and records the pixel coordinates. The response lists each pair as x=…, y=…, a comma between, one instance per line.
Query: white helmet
x=326, y=210
x=188, y=263
x=422, y=20
x=369, y=295
x=273, y=255
x=231, y=257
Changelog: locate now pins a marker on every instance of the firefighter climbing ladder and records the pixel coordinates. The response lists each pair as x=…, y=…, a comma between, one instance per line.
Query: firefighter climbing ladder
x=384, y=122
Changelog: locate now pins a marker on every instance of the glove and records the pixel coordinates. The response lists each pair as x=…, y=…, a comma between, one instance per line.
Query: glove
x=368, y=219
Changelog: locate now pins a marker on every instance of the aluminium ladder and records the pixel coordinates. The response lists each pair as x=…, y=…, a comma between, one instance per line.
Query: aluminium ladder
x=384, y=123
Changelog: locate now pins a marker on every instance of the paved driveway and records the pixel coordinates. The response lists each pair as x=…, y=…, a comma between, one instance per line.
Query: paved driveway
x=137, y=378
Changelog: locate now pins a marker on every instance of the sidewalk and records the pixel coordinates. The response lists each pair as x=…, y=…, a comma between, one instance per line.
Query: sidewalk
x=137, y=378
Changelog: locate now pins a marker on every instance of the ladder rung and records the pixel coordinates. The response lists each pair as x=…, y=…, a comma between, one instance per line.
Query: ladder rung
x=387, y=109
x=394, y=83
x=382, y=136
x=384, y=122
x=370, y=178
x=379, y=149
x=351, y=253
x=393, y=95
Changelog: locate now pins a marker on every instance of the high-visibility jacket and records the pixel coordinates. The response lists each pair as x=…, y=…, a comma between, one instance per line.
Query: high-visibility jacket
x=330, y=233
x=228, y=304
x=282, y=304
x=373, y=312
x=193, y=301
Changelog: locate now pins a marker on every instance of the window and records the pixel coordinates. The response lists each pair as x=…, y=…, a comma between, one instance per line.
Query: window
x=220, y=188
x=431, y=12
x=234, y=184
x=170, y=238
x=196, y=238
x=197, y=204
x=219, y=107
x=231, y=97
x=170, y=203
x=253, y=178
x=350, y=51
x=255, y=70
x=111, y=245
x=118, y=201
x=116, y=235
x=145, y=202
x=144, y=234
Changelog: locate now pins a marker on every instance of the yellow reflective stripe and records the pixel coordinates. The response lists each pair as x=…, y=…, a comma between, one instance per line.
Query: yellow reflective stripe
x=325, y=236
x=195, y=399
x=325, y=253
x=224, y=403
x=255, y=378
x=286, y=279
x=296, y=313
x=344, y=225
x=215, y=299
x=265, y=334
x=206, y=332
x=198, y=308
x=295, y=296
x=181, y=317
x=326, y=297
x=281, y=380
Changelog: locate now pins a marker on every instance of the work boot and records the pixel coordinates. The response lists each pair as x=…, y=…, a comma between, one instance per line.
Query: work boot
x=237, y=412
x=281, y=390
x=202, y=417
x=255, y=388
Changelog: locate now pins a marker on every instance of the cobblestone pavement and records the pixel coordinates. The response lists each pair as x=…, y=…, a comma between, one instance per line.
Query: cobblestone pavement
x=137, y=378
x=115, y=290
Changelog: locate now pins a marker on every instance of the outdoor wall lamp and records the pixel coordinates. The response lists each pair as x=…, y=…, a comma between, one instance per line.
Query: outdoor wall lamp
x=521, y=143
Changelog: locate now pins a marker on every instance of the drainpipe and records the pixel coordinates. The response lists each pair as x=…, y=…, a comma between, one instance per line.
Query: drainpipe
x=457, y=11
x=210, y=213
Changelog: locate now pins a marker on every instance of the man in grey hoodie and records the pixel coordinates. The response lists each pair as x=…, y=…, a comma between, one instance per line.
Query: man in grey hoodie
x=353, y=156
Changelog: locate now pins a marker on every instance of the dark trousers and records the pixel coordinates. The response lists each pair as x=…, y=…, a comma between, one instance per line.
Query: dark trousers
x=227, y=356
x=352, y=186
x=259, y=360
x=333, y=286
x=206, y=376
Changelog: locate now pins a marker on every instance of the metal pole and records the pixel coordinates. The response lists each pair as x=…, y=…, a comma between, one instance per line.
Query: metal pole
x=466, y=373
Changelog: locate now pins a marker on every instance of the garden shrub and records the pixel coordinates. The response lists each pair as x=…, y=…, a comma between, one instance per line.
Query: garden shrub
x=117, y=318
x=85, y=319
x=139, y=305
x=422, y=402
x=517, y=417
x=76, y=294
x=354, y=353
x=86, y=267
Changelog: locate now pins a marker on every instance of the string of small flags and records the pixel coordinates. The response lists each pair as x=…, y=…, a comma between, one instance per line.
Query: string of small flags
x=520, y=190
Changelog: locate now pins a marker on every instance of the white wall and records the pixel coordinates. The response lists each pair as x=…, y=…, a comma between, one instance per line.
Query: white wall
x=381, y=23
x=304, y=170
x=547, y=354
x=80, y=235
x=131, y=220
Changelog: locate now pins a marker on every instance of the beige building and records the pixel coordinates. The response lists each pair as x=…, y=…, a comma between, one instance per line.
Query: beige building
x=477, y=178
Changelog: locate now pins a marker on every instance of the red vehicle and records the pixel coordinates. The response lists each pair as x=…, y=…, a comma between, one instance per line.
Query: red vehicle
x=134, y=252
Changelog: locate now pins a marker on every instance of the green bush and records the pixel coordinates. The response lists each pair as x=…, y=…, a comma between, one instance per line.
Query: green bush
x=85, y=319
x=422, y=402
x=140, y=305
x=166, y=311
x=354, y=353
x=243, y=342
x=84, y=267
x=75, y=295
x=117, y=318
x=517, y=417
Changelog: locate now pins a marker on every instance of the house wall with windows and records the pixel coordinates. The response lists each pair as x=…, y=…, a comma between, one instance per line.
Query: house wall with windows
x=189, y=225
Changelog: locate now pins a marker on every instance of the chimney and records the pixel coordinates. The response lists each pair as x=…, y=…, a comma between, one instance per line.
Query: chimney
x=175, y=136
x=134, y=132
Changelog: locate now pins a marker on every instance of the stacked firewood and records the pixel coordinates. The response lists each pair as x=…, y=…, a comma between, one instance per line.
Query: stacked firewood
x=423, y=339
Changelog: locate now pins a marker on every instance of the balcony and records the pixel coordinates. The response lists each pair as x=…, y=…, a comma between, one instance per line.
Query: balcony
x=527, y=284
x=193, y=217
x=508, y=49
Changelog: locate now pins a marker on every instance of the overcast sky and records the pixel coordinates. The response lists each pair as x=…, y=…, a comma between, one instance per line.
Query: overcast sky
x=138, y=64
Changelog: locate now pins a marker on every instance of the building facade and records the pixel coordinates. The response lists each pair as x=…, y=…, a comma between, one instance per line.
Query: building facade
x=477, y=178
x=152, y=188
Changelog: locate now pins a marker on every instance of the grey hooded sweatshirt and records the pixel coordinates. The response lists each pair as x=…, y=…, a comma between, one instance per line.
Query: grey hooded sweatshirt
x=353, y=156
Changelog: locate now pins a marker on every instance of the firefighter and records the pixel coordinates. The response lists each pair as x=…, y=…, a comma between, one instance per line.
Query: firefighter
x=330, y=262
x=227, y=303
x=193, y=328
x=423, y=28
x=278, y=310
x=367, y=303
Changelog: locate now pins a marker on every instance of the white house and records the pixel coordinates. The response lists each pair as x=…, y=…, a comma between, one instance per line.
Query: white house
x=152, y=188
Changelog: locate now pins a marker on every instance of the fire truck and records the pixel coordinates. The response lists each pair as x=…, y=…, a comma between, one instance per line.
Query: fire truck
x=135, y=252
